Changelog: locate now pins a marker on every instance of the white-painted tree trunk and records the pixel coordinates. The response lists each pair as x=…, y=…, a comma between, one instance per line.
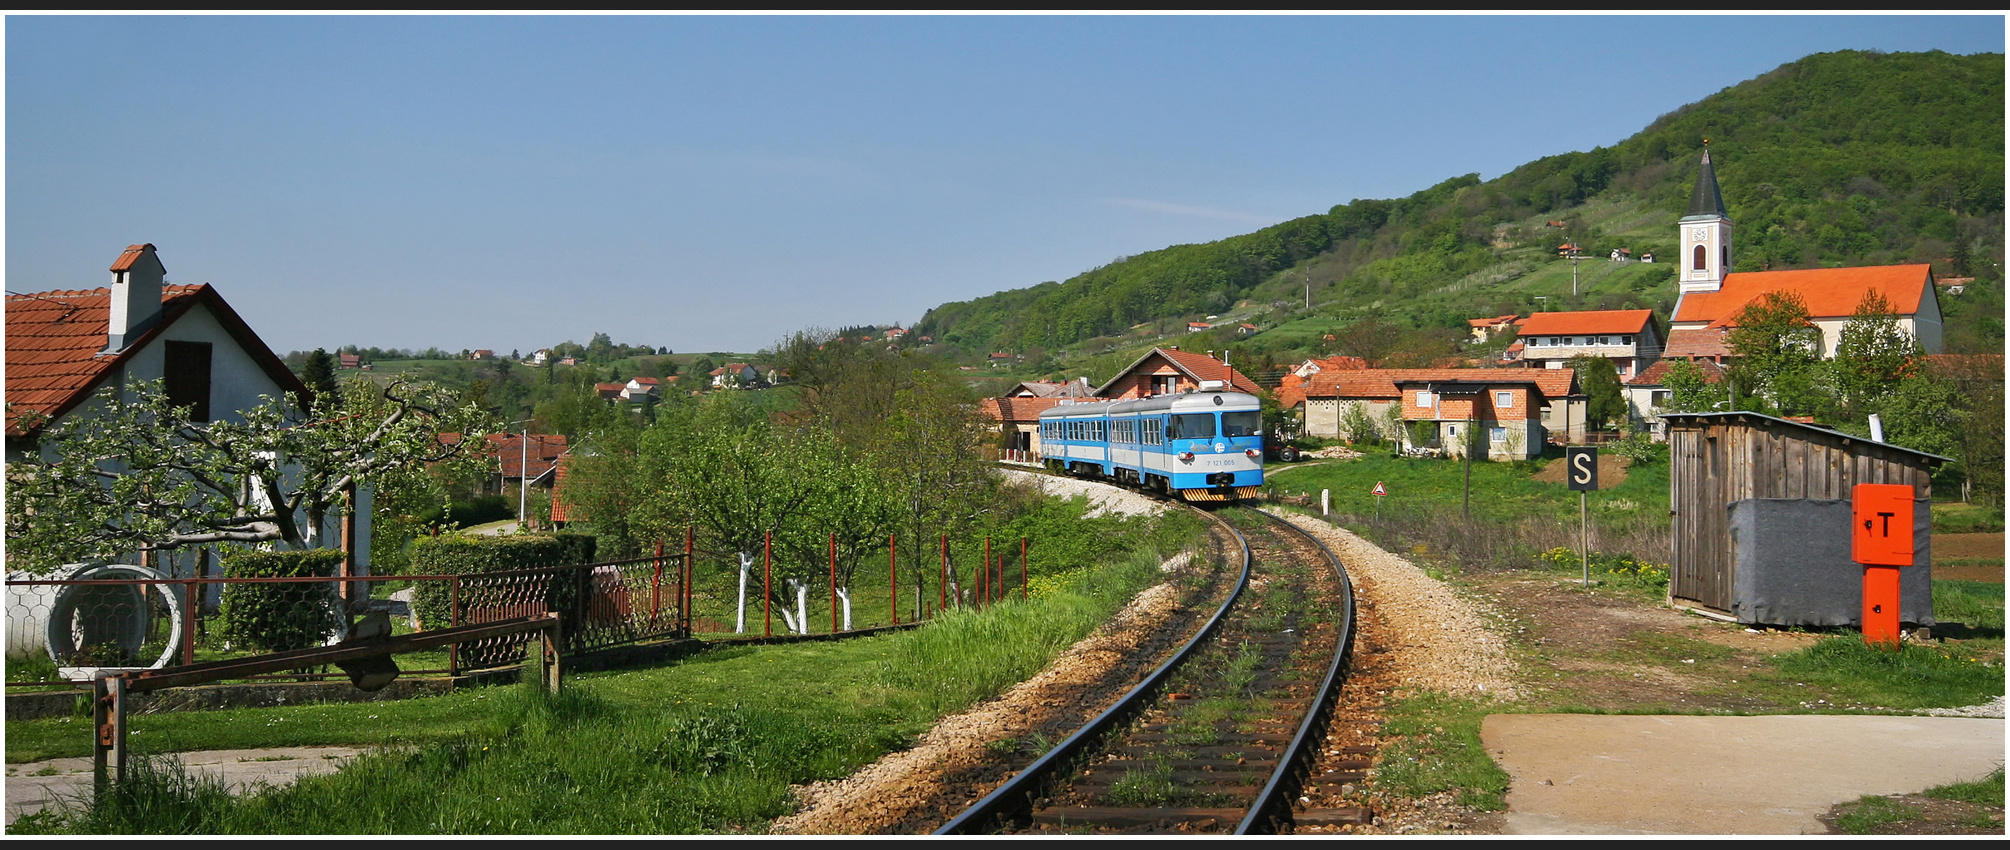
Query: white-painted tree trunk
x=844, y=599
x=740, y=613
x=802, y=607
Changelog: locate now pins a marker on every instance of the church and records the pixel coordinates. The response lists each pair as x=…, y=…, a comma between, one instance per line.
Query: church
x=1711, y=295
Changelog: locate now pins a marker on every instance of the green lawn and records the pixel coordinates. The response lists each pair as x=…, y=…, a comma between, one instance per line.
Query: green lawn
x=1501, y=491
x=707, y=744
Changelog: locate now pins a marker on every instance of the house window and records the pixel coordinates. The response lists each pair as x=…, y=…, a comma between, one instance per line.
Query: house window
x=1605, y=340
x=1699, y=264
x=1423, y=398
x=185, y=371
x=1498, y=435
x=1503, y=399
x=1626, y=340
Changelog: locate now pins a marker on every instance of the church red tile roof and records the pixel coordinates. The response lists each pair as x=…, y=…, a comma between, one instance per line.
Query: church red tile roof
x=1826, y=292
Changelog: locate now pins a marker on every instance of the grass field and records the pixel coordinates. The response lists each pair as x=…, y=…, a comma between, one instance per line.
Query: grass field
x=707, y=744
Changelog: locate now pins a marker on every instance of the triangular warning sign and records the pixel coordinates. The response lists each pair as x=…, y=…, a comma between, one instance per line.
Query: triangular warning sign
x=1380, y=490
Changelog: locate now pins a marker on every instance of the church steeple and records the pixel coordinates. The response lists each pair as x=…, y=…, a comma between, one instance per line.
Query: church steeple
x=1705, y=233
x=1707, y=199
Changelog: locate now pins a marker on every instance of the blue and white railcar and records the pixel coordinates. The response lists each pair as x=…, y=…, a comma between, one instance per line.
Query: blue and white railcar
x=1205, y=445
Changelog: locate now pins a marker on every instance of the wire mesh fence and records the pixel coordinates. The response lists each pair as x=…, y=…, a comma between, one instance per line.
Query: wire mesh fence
x=126, y=617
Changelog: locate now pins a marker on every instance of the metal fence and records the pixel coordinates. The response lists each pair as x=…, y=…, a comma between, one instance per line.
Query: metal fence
x=123, y=617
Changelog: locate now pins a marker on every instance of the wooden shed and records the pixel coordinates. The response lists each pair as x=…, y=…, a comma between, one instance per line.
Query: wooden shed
x=1717, y=460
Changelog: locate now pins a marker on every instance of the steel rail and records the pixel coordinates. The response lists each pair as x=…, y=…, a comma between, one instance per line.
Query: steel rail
x=1014, y=800
x=1272, y=808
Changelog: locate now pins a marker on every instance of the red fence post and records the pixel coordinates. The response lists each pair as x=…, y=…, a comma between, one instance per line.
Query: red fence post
x=767, y=583
x=893, y=579
x=834, y=583
x=684, y=589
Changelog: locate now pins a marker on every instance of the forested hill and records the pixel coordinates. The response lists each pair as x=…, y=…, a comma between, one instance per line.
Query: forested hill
x=1848, y=158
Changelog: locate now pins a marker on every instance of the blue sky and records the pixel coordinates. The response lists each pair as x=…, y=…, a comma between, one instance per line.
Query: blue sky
x=714, y=183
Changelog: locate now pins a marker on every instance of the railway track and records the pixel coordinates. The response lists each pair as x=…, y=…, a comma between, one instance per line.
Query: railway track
x=1222, y=735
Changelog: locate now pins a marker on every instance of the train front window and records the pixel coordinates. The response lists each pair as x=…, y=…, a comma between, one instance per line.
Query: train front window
x=1191, y=426
x=1241, y=423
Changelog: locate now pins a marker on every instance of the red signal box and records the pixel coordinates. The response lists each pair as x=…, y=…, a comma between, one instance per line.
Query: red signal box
x=1881, y=540
x=1881, y=525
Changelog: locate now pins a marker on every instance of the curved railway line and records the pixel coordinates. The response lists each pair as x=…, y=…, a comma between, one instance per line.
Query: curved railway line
x=1221, y=736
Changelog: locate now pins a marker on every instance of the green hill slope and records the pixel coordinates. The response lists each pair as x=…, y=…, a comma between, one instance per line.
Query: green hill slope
x=1846, y=158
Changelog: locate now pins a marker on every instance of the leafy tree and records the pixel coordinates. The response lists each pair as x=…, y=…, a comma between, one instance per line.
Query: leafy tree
x=1690, y=390
x=136, y=474
x=1605, y=400
x=1777, y=354
x=318, y=373
x=701, y=370
x=1873, y=355
x=1924, y=412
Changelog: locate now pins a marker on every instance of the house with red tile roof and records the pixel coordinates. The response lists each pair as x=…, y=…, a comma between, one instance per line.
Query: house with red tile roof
x=1163, y=371
x=1497, y=411
x=1545, y=404
x=640, y=387
x=1484, y=329
x=521, y=457
x=1018, y=419
x=610, y=390
x=63, y=345
x=1647, y=392
x=1291, y=389
x=1628, y=338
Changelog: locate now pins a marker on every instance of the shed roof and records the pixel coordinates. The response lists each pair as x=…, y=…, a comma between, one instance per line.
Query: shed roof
x=1674, y=419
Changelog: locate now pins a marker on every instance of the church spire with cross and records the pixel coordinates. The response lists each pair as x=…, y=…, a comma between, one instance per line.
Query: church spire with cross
x=1705, y=233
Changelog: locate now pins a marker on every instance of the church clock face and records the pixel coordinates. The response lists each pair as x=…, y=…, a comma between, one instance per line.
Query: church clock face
x=1699, y=233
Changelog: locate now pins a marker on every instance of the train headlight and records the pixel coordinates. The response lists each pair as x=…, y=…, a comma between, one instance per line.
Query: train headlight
x=1251, y=452
x=1186, y=455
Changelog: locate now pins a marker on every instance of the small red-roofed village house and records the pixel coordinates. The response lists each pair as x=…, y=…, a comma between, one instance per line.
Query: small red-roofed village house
x=1628, y=338
x=64, y=345
x=1534, y=406
x=1163, y=371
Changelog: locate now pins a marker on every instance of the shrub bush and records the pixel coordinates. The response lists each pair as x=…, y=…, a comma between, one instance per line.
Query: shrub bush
x=460, y=554
x=280, y=616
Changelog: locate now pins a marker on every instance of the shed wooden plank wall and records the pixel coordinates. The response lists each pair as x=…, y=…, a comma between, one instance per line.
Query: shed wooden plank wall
x=1723, y=460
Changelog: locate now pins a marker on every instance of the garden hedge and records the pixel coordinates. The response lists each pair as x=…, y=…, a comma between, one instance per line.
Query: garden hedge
x=465, y=554
x=280, y=616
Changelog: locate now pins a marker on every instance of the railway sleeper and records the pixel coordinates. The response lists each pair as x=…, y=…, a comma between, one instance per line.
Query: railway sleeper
x=1119, y=817
x=1262, y=761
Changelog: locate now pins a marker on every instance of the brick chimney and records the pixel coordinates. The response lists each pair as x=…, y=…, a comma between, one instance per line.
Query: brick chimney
x=137, y=278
